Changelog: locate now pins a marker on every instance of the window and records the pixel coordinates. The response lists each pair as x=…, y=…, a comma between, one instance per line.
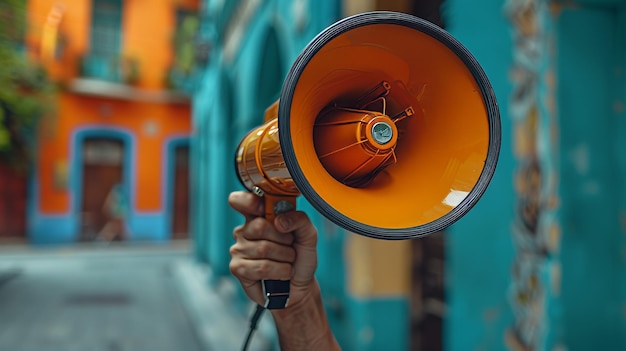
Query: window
x=106, y=28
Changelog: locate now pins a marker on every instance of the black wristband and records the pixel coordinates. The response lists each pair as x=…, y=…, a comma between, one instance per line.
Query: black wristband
x=276, y=293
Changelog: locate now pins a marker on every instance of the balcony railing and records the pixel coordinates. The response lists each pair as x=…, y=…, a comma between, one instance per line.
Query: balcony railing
x=110, y=68
x=114, y=77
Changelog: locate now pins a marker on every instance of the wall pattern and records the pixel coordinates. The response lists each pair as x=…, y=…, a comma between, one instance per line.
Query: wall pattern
x=535, y=278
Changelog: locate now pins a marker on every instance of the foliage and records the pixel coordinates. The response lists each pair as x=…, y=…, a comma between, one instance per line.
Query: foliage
x=25, y=91
x=185, y=52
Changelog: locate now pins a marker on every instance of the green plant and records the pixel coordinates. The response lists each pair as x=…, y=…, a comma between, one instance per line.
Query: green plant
x=185, y=51
x=26, y=93
x=129, y=70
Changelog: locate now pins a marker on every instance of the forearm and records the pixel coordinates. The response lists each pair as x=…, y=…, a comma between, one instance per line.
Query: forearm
x=304, y=326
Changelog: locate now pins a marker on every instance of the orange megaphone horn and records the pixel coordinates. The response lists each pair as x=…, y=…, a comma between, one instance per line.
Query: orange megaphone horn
x=386, y=124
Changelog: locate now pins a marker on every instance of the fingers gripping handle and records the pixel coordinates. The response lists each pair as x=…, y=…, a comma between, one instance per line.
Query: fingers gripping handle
x=276, y=292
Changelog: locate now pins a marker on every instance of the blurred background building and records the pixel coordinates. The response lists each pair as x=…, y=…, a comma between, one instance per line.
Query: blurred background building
x=152, y=94
x=121, y=116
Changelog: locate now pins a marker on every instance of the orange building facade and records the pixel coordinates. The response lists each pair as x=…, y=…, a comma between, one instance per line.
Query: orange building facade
x=117, y=121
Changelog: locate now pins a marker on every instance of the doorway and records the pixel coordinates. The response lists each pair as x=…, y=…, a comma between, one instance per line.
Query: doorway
x=180, y=205
x=428, y=303
x=103, y=160
x=13, y=196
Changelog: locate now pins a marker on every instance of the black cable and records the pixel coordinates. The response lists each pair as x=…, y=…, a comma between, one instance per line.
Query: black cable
x=253, y=323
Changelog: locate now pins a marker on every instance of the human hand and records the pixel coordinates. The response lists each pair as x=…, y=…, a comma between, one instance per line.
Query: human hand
x=283, y=250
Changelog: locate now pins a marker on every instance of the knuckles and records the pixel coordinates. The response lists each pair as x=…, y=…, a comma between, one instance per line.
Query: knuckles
x=254, y=229
x=259, y=226
x=259, y=269
x=235, y=267
x=263, y=268
x=263, y=249
x=234, y=250
x=237, y=232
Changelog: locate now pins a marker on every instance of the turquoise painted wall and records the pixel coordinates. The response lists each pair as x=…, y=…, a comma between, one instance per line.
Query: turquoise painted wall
x=479, y=246
x=590, y=67
x=563, y=288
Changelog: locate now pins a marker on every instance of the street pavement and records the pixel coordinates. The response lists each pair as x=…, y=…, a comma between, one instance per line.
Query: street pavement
x=152, y=297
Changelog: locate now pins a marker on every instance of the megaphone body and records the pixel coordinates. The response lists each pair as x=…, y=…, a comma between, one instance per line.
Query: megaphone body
x=386, y=124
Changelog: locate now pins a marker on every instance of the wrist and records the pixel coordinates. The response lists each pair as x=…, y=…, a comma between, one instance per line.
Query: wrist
x=303, y=325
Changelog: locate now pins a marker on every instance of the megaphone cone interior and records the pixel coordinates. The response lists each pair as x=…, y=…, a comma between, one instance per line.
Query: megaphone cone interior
x=388, y=126
x=445, y=151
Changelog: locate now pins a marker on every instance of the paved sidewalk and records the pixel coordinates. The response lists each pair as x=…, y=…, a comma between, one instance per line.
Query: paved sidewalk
x=216, y=311
x=117, y=298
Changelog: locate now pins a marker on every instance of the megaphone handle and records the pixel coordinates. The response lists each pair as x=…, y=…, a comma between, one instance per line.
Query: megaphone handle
x=276, y=292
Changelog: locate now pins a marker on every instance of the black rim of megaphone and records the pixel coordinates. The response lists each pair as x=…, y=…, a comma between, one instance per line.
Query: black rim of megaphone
x=386, y=17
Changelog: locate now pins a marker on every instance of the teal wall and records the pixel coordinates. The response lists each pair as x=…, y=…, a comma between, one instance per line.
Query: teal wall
x=591, y=80
x=479, y=248
x=558, y=72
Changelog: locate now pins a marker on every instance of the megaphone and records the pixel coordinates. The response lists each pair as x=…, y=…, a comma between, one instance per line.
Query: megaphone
x=386, y=124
